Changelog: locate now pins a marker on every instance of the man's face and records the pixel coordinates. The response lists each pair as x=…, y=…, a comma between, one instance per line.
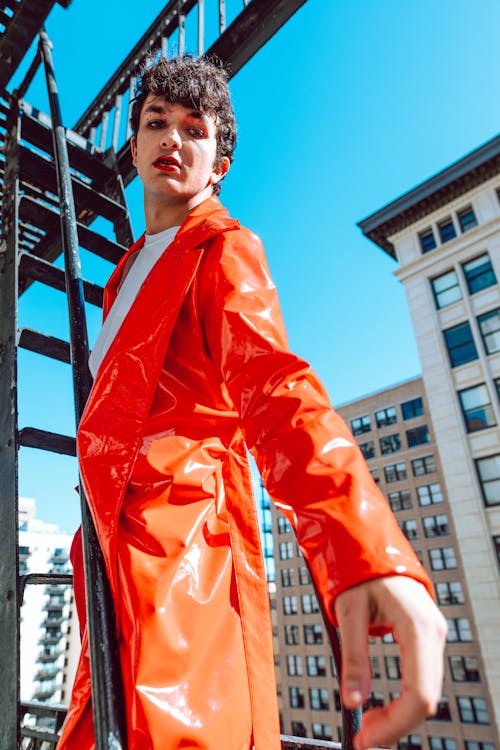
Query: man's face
x=174, y=153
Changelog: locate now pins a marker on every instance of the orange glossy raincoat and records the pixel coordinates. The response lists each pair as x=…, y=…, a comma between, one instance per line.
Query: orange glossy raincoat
x=199, y=368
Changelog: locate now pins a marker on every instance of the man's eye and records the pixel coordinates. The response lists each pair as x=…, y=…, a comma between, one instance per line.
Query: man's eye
x=155, y=124
x=196, y=132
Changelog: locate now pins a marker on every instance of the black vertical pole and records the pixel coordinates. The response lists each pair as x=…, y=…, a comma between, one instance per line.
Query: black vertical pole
x=107, y=689
x=351, y=720
x=9, y=595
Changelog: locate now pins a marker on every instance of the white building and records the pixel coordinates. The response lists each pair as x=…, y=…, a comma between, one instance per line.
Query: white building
x=445, y=236
x=50, y=642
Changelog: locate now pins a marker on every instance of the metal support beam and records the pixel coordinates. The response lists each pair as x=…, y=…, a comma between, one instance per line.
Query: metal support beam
x=9, y=601
x=107, y=693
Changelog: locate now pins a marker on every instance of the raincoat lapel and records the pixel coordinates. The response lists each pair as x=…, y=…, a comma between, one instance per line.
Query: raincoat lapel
x=111, y=428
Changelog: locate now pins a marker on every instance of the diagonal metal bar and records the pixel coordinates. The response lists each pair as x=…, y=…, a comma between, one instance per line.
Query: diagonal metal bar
x=107, y=702
x=19, y=33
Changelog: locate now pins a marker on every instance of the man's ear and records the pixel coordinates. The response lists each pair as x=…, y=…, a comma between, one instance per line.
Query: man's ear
x=133, y=148
x=220, y=171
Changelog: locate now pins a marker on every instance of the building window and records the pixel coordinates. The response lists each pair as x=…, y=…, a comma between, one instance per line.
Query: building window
x=446, y=229
x=460, y=344
x=375, y=667
x=442, y=743
x=476, y=407
x=418, y=436
x=488, y=470
x=409, y=529
x=321, y=731
x=390, y=444
x=385, y=417
x=299, y=729
x=316, y=666
x=413, y=408
x=290, y=605
x=429, y=494
x=296, y=697
x=436, y=526
x=375, y=476
x=284, y=526
x=309, y=603
x=367, y=449
x=313, y=634
x=443, y=712
x=472, y=710
x=361, y=425
x=286, y=550
x=292, y=635
x=446, y=289
x=464, y=669
x=304, y=577
x=423, y=465
x=476, y=745
x=395, y=472
x=375, y=700
x=496, y=544
x=467, y=218
x=400, y=500
x=412, y=742
x=489, y=325
x=459, y=630
x=442, y=558
x=287, y=577
x=449, y=592
x=392, y=667
x=427, y=240
x=294, y=665
x=318, y=699
x=479, y=273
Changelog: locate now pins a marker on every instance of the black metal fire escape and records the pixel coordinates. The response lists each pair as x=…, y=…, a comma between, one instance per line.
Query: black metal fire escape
x=45, y=171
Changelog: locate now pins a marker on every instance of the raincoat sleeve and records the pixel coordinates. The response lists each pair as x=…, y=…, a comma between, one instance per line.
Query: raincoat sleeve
x=310, y=463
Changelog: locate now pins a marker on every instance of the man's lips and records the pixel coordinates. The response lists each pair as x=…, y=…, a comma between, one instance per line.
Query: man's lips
x=167, y=164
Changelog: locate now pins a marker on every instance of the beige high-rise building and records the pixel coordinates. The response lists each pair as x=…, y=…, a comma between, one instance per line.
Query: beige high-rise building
x=445, y=236
x=396, y=434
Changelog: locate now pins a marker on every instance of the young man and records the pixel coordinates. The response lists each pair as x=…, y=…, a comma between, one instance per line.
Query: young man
x=192, y=363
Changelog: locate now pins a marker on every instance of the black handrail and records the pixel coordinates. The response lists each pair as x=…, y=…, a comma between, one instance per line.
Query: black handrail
x=107, y=703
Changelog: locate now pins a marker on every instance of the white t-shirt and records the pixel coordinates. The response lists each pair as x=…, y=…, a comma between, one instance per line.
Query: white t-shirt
x=154, y=247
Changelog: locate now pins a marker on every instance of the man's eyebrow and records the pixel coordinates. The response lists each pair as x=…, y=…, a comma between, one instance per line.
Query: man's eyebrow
x=158, y=109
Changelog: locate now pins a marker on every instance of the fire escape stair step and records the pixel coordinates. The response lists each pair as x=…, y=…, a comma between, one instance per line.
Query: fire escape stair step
x=47, y=219
x=37, y=269
x=40, y=171
x=36, y=127
x=41, y=343
x=32, y=437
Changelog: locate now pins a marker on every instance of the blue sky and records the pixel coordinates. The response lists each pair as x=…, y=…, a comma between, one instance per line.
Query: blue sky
x=348, y=106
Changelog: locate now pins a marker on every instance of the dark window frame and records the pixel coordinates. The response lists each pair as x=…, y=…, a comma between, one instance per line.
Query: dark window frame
x=412, y=408
x=467, y=218
x=442, y=295
x=478, y=280
x=460, y=344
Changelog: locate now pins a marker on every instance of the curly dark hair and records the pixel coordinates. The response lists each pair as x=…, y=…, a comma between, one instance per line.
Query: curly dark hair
x=200, y=83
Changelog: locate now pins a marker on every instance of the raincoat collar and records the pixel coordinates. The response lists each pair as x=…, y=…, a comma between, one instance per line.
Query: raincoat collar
x=206, y=220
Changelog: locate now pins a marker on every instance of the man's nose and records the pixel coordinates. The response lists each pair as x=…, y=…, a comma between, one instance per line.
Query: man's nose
x=171, y=138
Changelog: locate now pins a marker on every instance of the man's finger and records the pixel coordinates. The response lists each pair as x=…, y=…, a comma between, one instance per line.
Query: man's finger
x=352, y=611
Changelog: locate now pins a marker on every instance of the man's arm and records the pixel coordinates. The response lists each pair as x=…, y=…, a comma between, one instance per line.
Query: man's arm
x=404, y=606
x=363, y=567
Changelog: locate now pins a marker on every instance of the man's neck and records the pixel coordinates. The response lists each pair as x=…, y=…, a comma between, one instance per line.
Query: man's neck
x=160, y=216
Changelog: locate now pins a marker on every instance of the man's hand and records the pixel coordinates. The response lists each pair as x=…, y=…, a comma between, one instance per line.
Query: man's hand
x=404, y=606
